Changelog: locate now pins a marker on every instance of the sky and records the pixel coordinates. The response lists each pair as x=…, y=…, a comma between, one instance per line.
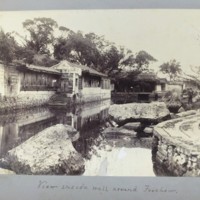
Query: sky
x=165, y=34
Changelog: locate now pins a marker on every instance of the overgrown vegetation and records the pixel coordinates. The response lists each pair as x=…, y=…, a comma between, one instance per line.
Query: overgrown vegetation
x=46, y=43
x=172, y=69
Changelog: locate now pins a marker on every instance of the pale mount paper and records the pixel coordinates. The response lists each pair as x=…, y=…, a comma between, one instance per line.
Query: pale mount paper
x=165, y=34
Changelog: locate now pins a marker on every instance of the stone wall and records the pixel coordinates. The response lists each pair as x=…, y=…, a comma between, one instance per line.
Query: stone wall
x=25, y=99
x=176, y=145
x=94, y=94
x=130, y=97
x=174, y=160
x=11, y=81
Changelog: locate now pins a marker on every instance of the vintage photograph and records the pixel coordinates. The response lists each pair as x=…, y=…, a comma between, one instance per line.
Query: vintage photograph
x=100, y=92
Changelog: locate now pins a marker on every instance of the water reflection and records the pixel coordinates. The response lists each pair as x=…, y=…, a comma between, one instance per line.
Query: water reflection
x=89, y=120
x=16, y=127
x=80, y=117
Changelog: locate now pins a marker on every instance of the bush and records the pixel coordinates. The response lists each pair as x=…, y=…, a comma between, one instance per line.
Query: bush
x=172, y=100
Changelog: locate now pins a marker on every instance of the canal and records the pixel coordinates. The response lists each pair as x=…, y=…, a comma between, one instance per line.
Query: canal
x=104, y=156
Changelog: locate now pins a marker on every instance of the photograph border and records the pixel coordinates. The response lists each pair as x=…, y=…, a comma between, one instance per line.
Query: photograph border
x=21, y=187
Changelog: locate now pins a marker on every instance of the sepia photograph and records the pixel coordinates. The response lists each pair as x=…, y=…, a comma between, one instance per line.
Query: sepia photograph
x=100, y=92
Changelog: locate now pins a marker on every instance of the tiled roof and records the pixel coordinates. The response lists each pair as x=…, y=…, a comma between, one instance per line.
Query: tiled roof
x=42, y=69
x=147, y=76
x=64, y=64
x=37, y=69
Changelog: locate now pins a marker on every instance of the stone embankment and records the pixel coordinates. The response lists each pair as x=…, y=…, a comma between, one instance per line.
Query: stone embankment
x=135, y=119
x=141, y=112
x=25, y=100
x=50, y=152
x=176, y=145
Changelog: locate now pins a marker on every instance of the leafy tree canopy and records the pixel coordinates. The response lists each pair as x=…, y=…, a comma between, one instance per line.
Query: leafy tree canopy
x=40, y=34
x=172, y=69
x=86, y=49
x=94, y=51
x=196, y=70
x=8, y=47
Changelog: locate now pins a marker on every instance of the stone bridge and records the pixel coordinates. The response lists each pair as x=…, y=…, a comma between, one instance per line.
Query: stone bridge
x=176, y=146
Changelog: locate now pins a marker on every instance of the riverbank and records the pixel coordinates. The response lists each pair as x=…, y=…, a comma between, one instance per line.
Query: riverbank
x=118, y=145
x=176, y=145
x=25, y=100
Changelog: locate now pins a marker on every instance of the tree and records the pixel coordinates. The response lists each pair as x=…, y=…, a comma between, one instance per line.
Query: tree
x=196, y=70
x=171, y=68
x=114, y=60
x=40, y=34
x=38, y=41
x=76, y=48
x=143, y=59
x=94, y=51
x=8, y=47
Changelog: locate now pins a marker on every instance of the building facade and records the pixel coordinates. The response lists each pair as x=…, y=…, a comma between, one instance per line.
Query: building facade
x=81, y=84
x=29, y=85
x=25, y=86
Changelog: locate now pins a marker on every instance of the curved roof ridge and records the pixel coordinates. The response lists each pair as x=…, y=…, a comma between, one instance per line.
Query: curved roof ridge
x=65, y=64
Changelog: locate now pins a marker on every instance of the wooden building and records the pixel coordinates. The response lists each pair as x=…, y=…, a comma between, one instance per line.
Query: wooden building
x=36, y=85
x=25, y=86
x=37, y=78
x=79, y=83
x=17, y=79
x=145, y=87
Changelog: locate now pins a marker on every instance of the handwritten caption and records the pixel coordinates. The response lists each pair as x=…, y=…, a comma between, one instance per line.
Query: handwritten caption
x=45, y=185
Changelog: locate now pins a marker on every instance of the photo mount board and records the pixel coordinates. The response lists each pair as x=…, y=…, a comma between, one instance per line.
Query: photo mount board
x=14, y=187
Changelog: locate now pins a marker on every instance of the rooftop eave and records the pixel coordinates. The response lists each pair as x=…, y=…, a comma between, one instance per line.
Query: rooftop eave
x=25, y=68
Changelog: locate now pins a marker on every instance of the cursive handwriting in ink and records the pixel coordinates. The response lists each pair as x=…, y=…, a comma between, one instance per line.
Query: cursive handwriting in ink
x=46, y=185
x=151, y=189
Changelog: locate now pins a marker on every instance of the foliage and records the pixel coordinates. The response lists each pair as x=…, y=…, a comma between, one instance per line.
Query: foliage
x=94, y=51
x=40, y=34
x=196, y=70
x=38, y=41
x=43, y=60
x=8, y=47
x=173, y=101
x=143, y=59
x=76, y=48
x=194, y=79
x=86, y=49
x=171, y=96
x=171, y=68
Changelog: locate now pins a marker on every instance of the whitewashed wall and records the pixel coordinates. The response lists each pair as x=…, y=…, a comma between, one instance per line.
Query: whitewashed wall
x=175, y=87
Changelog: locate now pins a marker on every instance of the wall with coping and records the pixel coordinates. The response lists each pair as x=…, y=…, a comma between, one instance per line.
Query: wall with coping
x=25, y=99
x=89, y=94
x=175, y=160
x=34, y=98
x=176, y=146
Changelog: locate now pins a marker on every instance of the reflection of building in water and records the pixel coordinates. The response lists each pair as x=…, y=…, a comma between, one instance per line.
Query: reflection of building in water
x=87, y=120
x=18, y=127
x=85, y=114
